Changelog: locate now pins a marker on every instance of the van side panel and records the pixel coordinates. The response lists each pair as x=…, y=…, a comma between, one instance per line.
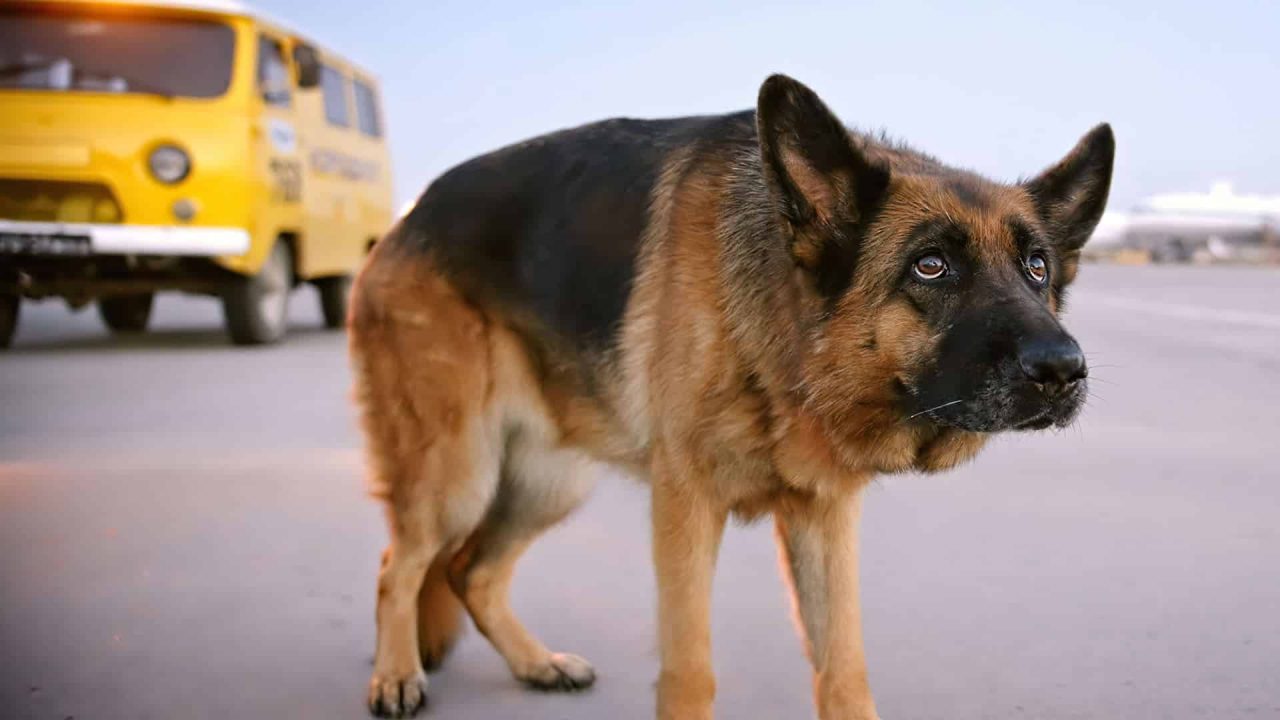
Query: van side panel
x=347, y=178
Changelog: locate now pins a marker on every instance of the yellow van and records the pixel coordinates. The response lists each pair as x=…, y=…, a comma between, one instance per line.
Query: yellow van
x=185, y=145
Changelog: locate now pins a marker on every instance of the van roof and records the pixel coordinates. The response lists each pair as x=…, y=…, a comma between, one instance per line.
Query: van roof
x=224, y=7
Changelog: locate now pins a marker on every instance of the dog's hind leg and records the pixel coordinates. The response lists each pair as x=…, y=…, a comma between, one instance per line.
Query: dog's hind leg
x=422, y=364
x=429, y=514
x=539, y=487
x=398, y=687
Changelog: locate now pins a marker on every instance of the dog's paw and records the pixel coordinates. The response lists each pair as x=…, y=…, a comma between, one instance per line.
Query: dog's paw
x=393, y=697
x=562, y=671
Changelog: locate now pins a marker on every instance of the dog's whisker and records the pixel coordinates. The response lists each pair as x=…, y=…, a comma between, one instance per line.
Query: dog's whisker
x=936, y=407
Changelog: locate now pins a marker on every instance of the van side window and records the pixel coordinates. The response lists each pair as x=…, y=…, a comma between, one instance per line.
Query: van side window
x=367, y=110
x=333, y=86
x=273, y=72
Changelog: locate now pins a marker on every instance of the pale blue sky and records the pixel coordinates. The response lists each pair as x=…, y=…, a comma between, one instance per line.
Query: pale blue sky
x=1192, y=88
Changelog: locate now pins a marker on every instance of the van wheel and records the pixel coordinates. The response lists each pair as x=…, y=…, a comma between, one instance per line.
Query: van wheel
x=126, y=313
x=256, y=309
x=334, y=292
x=9, y=305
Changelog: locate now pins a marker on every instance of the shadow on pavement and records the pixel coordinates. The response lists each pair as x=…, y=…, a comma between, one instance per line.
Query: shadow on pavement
x=214, y=339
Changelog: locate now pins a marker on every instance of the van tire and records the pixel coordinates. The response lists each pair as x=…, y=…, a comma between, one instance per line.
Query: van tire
x=334, y=292
x=256, y=308
x=126, y=313
x=9, y=305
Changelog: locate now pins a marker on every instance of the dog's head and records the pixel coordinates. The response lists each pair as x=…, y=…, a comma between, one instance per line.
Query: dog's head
x=938, y=291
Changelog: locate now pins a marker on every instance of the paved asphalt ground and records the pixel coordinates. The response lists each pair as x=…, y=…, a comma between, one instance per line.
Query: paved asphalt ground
x=184, y=534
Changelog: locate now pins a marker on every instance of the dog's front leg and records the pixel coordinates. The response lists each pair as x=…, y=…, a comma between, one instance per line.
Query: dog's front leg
x=687, y=527
x=819, y=542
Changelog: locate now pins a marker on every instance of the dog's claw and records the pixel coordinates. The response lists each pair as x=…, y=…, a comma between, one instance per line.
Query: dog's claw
x=391, y=698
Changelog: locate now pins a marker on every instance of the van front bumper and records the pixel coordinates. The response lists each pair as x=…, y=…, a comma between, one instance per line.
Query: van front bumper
x=54, y=239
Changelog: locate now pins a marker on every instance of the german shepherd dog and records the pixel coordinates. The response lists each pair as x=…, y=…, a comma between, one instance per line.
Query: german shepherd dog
x=756, y=313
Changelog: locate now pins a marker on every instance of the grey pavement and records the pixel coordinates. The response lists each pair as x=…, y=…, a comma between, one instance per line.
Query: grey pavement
x=184, y=534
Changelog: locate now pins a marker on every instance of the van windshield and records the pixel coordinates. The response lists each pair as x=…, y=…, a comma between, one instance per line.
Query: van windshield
x=115, y=53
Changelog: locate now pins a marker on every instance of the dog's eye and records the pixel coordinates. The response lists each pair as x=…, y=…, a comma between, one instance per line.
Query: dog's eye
x=930, y=267
x=1037, y=268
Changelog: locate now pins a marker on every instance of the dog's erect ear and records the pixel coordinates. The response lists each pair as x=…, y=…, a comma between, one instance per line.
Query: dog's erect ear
x=1071, y=195
x=823, y=183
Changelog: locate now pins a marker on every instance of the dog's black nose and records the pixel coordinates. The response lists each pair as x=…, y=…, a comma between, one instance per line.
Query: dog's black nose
x=1055, y=363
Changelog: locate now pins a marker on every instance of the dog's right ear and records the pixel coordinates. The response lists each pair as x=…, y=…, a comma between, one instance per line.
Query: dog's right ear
x=822, y=182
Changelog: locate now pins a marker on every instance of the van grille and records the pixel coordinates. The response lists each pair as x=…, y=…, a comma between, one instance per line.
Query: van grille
x=52, y=201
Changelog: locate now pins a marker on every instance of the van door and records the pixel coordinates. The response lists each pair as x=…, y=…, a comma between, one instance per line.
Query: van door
x=278, y=147
x=330, y=226
x=375, y=190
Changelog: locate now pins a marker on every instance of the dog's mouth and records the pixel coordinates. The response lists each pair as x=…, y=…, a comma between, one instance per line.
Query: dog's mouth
x=1001, y=407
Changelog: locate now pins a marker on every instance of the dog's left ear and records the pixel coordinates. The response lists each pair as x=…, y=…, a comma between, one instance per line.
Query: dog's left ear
x=1071, y=195
x=822, y=182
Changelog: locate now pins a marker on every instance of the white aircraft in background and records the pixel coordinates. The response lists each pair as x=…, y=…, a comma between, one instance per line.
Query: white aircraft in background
x=1220, y=221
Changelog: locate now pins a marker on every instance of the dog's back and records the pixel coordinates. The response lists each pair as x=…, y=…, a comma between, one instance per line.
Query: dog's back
x=546, y=232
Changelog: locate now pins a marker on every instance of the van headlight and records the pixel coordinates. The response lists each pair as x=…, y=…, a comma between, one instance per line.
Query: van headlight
x=169, y=164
